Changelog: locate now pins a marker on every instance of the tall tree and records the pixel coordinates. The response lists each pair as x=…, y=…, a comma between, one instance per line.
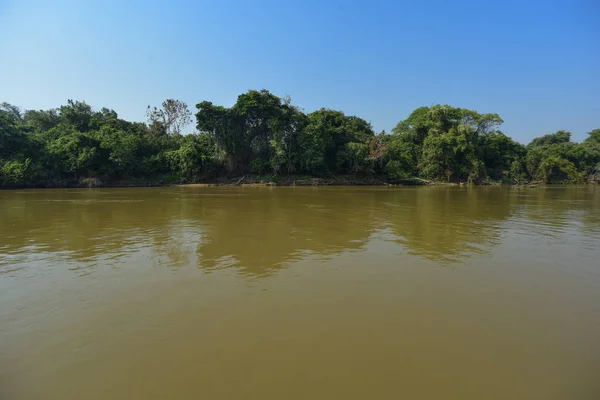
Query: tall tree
x=174, y=115
x=333, y=142
x=442, y=142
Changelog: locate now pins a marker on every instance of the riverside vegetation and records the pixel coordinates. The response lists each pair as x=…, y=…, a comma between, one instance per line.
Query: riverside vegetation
x=265, y=135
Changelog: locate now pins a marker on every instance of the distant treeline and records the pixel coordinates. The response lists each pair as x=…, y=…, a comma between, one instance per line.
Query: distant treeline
x=262, y=134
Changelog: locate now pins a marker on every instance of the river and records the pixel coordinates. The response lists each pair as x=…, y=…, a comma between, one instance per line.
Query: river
x=300, y=293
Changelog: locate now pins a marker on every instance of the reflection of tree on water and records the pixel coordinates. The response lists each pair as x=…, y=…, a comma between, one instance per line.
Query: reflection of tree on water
x=83, y=226
x=263, y=231
x=555, y=207
x=562, y=214
x=447, y=224
x=256, y=230
x=259, y=230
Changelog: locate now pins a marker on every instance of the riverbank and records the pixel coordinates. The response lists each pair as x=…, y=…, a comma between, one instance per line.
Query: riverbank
x=261, y=180
x=245, y=180
x=251, y=180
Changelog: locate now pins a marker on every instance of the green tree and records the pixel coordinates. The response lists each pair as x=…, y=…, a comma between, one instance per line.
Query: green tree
x=73, y=155
x=258, y=134
x=122, y=151
x=262, y=133
x=77, y=114
x=17, y=148
x=192, y=158
x=332, y=142
x=553, y=159
x=41, y=121
x=284, y=146
x=221, y=124
x=442, y=142
x=503, y=157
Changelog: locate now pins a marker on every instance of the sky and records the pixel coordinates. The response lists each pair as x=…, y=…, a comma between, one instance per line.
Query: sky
x=535, y=63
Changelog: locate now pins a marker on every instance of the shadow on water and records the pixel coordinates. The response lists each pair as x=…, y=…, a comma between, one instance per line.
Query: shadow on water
x=260, y=230
x=448, y=224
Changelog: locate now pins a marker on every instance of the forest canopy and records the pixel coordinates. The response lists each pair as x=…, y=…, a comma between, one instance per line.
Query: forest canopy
x=263, y=134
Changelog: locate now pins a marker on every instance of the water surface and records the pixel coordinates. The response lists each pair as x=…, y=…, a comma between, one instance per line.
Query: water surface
x=300, y=293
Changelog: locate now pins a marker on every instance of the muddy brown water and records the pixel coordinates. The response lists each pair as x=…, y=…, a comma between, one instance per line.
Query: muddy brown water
x=300, y=293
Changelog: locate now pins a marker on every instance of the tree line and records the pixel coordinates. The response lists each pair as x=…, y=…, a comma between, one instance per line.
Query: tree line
x=263, y=134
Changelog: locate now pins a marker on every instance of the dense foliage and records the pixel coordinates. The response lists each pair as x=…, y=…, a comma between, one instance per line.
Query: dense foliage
x=263, y=134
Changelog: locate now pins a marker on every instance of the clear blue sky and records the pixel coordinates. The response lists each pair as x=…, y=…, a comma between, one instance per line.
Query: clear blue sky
x=536, y=63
